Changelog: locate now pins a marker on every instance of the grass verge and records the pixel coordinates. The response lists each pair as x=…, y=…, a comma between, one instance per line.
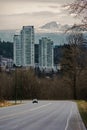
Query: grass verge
x=82, y=105
x=7, y=103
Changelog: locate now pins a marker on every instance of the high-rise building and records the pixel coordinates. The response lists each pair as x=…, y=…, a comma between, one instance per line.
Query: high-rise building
x=46, y=60
x=36, y=55
x=27, y=41
x=24, y=47
x=17, y=50
x=57, y=54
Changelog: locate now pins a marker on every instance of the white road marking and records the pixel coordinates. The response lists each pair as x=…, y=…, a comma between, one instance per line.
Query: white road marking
x=19, y=113
x=67, y=124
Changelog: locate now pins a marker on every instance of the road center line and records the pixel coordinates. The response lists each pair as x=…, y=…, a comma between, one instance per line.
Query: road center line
x=19, y=113
x=67, y=123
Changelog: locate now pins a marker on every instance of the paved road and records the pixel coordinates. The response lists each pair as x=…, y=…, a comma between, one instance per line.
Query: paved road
x=46, y=115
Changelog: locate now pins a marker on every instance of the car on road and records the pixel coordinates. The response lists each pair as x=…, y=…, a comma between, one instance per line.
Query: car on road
x=34, y=101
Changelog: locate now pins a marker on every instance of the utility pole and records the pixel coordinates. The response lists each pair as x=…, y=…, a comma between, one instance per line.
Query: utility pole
x=15, y=85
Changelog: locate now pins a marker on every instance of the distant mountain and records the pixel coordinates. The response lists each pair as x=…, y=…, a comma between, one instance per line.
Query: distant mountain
x=7, y=35
x=65, y=27
x=53, y=27
x=53, y=30
x=57, y=38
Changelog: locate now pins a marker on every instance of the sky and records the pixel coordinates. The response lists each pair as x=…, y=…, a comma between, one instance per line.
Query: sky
x=17, y=13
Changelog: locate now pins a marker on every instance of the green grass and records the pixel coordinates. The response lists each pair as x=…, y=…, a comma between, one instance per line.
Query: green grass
x=82, y=105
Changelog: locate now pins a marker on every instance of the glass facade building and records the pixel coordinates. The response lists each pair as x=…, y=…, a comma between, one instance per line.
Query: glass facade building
x=17, y=50
x=46, y=60
x=24, y=47
x=27, y=41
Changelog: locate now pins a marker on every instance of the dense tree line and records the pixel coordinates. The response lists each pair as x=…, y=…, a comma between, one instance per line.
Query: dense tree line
x=6, y=49
x=24, y=84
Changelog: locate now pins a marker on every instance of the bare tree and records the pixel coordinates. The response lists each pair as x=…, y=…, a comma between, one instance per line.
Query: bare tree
x=73, y=60
x=79, y=7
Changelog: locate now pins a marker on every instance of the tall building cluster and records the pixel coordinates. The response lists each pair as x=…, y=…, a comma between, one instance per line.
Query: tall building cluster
x=24, y=47
x=25, y=52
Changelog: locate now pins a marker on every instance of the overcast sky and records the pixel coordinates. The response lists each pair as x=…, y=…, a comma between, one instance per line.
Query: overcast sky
x=17, y=13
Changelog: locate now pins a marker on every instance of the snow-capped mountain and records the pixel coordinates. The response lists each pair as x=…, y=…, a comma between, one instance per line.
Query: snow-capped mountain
x=52, y=27
x=53, y=30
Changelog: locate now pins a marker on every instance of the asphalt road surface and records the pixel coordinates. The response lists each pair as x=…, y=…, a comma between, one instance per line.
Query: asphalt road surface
x=46, y=115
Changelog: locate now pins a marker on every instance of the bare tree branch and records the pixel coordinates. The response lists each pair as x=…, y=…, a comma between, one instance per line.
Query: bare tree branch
x=78, y=7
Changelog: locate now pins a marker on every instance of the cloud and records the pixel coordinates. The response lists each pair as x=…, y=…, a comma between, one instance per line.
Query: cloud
x=18, y=20
x=16, y=13
x=16, y=8
x=30, y=0
x=54, y=6
x=35, y=1
x=73, y=15
x=45, y=13
x=33, y=14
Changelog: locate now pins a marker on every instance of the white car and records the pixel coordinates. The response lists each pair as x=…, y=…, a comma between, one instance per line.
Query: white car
x=34, y=101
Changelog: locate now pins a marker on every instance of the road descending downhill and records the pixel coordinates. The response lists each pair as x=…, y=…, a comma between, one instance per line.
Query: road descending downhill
x=45, y=115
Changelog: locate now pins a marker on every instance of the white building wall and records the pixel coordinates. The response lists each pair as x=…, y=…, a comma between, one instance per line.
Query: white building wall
x=17, y=50
x=46, y=60
x=27, y=40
